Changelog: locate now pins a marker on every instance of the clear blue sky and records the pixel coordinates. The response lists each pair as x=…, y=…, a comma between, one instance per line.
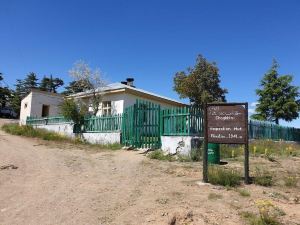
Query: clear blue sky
x=151, y=40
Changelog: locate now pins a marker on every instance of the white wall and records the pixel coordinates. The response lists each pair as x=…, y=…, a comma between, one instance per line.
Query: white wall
x=93, y=138
x=25, y=108
x=35, y=101
x=62, y=128
x=39, y=99
x=179, y=144
x=103, y=138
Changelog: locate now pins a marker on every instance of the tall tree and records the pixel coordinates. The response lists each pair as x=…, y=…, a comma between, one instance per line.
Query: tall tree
x=278, y=98
x=22, y=88
x=30, y=81
x=51, y=84
x=92, y=80
x=201, y=84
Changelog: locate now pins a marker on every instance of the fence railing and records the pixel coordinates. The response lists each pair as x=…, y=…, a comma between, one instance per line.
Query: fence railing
x=97, y=124
x=183, y=121
x=266, y=130
x=46, y=120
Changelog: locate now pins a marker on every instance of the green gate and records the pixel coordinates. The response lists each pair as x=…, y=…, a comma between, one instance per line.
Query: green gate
x=141, y=125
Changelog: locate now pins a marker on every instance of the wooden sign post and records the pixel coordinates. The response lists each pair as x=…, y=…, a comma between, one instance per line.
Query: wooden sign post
x=226, y=123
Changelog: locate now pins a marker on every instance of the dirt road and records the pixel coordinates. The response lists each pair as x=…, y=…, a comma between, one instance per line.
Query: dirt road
x=66, y=185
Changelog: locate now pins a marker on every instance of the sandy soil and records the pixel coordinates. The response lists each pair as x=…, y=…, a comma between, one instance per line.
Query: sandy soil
x=62, y=184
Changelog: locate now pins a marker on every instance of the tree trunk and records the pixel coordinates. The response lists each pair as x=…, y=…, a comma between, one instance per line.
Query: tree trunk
x=277, y=121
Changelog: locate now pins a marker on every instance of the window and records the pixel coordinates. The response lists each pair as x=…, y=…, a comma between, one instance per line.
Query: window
x=25, y=105
x=45, y=110
x=106, y=108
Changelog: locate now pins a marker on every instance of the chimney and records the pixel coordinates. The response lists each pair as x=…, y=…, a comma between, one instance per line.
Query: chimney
x=130, y=81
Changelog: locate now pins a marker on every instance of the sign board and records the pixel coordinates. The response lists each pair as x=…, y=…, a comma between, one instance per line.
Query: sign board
x=226, y=124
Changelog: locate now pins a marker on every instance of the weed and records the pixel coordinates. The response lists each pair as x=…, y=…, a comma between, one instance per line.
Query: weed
x=243, y=192
x=224, y=177
x=278, y=195
x=214, y=196
x=162, y=201
x=263, y=177
x=268, y=212
x=291, y=181
x=160, y=155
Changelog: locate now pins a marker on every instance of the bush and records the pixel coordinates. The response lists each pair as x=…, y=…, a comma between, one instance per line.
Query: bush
x=224, y=177
x=263, y=177
x=243, y=192
x=160, y=155
x=73, y=110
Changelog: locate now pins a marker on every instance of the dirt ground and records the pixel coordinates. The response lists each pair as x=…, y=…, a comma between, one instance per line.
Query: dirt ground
x=48, y=183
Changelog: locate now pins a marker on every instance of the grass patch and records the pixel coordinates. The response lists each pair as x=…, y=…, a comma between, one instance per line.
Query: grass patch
x=243, y=192
x=160, y=155
x=263, y=177
x=214, y=196
x=224, y=177
x=265, y=148
x=29, y=131
x=290, y=181
x=253, y=219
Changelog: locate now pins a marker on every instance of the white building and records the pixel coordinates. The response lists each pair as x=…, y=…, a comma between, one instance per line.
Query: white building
x=118, y=96
x=40, y=104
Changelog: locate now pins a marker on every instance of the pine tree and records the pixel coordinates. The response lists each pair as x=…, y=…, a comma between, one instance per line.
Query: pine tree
x=30, y=82
x=51, y=84
x=278, y=98
x=200, y=84
x=75, y=87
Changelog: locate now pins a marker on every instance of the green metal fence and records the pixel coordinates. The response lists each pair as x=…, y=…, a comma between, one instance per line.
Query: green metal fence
x=46, y=120
x=141, y=125
x=97, y=124
x=182, y=121
x=266, y=130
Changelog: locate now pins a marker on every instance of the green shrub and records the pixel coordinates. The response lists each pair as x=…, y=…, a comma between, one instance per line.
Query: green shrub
x=224, y=177
x=160, y=155
x=243, y=192
x=253, y=219
x=193, y=156
x=263, y=177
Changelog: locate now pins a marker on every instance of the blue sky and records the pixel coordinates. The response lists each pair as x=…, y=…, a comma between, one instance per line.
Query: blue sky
x=151, y=40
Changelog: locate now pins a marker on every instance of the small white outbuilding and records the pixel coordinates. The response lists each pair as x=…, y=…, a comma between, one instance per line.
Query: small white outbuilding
x=40, y=104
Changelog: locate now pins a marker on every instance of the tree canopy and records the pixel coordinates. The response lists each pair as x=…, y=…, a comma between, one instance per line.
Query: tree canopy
x=51, y=84
x=90, y=80
x=278, y=98
x=201, y=84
